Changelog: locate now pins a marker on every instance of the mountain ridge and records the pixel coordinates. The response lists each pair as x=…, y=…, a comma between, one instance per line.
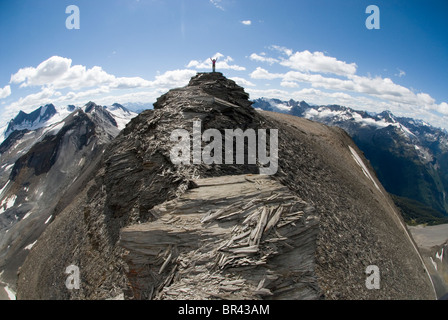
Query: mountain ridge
x=136, y=185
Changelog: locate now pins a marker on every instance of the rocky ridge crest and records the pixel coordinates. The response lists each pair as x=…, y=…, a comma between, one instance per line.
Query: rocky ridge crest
x=137, y=194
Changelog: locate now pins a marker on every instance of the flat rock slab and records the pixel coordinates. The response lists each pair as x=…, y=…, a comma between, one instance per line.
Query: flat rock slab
x=229, y=237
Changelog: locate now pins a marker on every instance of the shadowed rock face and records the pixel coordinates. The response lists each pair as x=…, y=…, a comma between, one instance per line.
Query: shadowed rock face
x=25, y=121
x=147, y=228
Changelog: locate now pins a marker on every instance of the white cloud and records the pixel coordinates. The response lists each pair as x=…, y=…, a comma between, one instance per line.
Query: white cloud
x=222, y=63
x=442, y=108
x=359, y=102
x=73, y=97
x=261, y=73
x=60, y=82
x=173, y=78
x=302, y=63
x=289, y=84
x=146, y=97
x=163, y=82
x=382, y=88
x=29, y=102
x=217, y=4
x=306, y=61
x=359, y=92
x=47, y=72
x=400, y=73
x=319, y=97
x=282, y=50
x=58, y=73
x=5, y=92
x=262, y=58
x=318, y=62
x=318, y=80
x=246, y=22
x=243, y=82
x=269, y=93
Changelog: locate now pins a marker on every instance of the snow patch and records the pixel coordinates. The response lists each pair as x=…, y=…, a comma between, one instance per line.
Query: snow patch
x=54, y=129
x=8, y=203
x=43, y=110
x=28, y=247
x=363, y=166
x=406, y=130
x=344, y=115
x=9, y=166
x=440, y=256
x=61, y=114
x=121, y=123
x=48, y=220
x=11, y=294
x=325, y=112
x=27, y=215
x=433, y=263
x=4, y=187
x=283, y=107
x=121, y=116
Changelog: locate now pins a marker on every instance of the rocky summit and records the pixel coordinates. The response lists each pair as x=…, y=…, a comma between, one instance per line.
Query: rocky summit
x=145, y=228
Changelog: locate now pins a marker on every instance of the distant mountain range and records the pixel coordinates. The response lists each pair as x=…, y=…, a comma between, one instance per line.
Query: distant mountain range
x=45, y=159
x=137, y=107
x=409, y=156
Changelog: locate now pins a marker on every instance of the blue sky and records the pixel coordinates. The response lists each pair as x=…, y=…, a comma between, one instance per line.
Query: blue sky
x=319, y=51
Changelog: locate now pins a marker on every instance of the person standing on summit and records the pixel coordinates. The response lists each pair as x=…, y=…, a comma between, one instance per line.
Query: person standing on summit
x=214, y=63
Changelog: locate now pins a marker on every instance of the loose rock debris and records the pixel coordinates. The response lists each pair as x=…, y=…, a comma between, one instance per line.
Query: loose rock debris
x=220, y=240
